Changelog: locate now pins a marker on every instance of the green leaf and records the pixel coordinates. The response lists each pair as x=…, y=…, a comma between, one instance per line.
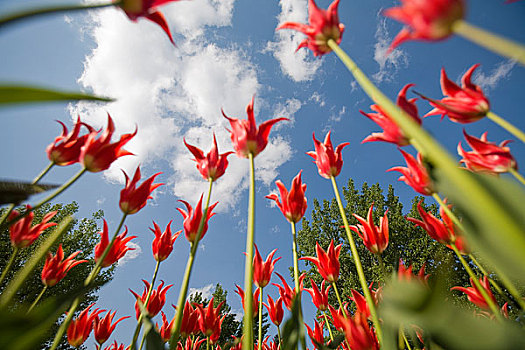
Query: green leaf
x=293, y=329
x=153, y=339
x=16, y=191
x=11, y=94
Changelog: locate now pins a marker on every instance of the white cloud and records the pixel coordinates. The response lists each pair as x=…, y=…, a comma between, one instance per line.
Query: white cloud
x=300, y=65
x=390, y=64
x=287, y=110
x=130, y=254
x=490, y=80
x=318, y=99
x=206, y=291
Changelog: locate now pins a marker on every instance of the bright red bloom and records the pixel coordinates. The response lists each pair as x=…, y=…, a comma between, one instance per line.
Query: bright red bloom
x=293, y=204
x=104, y=327
x=162, y=245
x=465, y=104
x=357, y=332
x=406, y=274
x=117, y=250
x=165, y=329
x=286, y=292
x=275, y=310
x=319, y=296
x=428, y=20
x=246, y=136
x=147, y=9
x=191, y=344
x=80, y=328
x=212, y=165
x=317, y=335
x=55, y=268
x=327, y=262
x=97, y=154
x=324, y=25
x=360, y=302
x=156, y=300
x=434, y=227
x=132, y=199
x=374, y=237
x=391, y=132
x=487, y=156
x=190, y=318
x=210, y=319
x=328, y=161
x=415, y=174
x=192, y=219
x=262, y=271
x=474, y=294
x=255, y=304
x=22, y=233
x=65, y=150
x=116, y=346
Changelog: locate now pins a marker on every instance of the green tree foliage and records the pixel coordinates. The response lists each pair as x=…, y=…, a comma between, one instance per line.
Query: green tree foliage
x=83, y=235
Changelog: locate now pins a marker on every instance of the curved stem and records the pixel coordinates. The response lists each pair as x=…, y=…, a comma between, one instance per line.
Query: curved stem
x=517, y=175
x=358, y=265
x=328, y=326
x=43, y=173
x=259, y=338
x=405, y=338
x=186, y=280
x=279, y=336
x=506, y=125
x=37, y=299
x=334, y=286
x=449, y=212
x=490, y=41
x=9, y=265
x=295, y=259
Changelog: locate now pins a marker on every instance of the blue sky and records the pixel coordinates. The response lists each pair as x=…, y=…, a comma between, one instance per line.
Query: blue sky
x=226, y=52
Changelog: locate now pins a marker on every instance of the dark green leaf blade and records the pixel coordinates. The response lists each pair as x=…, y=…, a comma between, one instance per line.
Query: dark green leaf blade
x=13, y=94
x=16, y=191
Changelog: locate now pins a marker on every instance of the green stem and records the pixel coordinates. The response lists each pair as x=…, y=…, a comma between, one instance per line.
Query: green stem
x=506, y=125
x=490, y=41
x=279, y=336
x=517, y=175
x=43, y=173
x=492, y=282
x=382, y=266
x=334, y=286
x=142, y=340
x=9, y=265
x=295, y=259
x=449, y=212
x=25, y=14
x=259, y=343
x=478, y=285
x=207, y=343
x=405, y=339
x=37, y=299
x=328, y=326
x=358, y=265
x=186, y=280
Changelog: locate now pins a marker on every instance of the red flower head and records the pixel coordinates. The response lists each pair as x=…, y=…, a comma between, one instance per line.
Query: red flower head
x=391, y=132
x=80, y=328
x=191, y=344
x=262, y=271
x=117, y=250
x=317, y=335
x=213, y=165
x=210, y=319
x=165, y=329
x=434, y=227
x=116, y=346
x=374, y=237
x=360, y=302
x=162, y=245
x=487, y=156
x=357, y=332
x=329, y=163
x=474, y=294
x=319, y=297
x=286, y=292
x=104, y=327
x=415, y=174
x=190, y=318
x=192, y=219
x=275, y=310
x=22, y=233
x=132, y=199
x=255, y=303
x=97, y=154
x=327, y=262
x=246, y=136
x=324, y=25
x=156, y=300
x=65, y=150
x=293, y=204
x=465, y=104
x=55, y=268
x=425, y=20
x=147, y=8
x=406, y=274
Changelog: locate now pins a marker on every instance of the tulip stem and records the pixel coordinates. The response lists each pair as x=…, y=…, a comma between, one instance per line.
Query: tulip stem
x=259, y=343
x=402, y=333
x=506, y=125
x=9, y=265
x=37, y=299
x=186, y=280
x=492, y=282
x=490, y=41
x=357, y=261
x=478, y=285
x=339, y=299
x=208, y=343
x=449, y=212
x=517, y=175
x=279, y=336
x=328, y=326
x=297, y=284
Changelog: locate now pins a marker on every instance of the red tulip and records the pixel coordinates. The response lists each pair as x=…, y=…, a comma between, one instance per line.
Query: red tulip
x=293, y=204
x=209, y=319
x=162, y=245
x=465, y=104
x=80, y=328
x=118, y=249
x=191, y=344
x=429, y=20
x=415, y=174
x=262, y=271
x=213, y=165
x=357, y=332
x=404, y=273
x=214, y=338
x=192, y=219
x=246, y=136
x=104, y=327
x=327, y=262
x=165, y=329
x=338, y=315
x=97, y=154
x=65, y=150
x=434, y=227
x=275, y=310
x=286, y=292
x=147, y=9
x=190, y=320
x=324, y=25
x=487, y=156
x=474, y=294
x=132, y=199
x=360, y=302
x=317, y=335
x=391, y=132
x=319, y=296
x=22, y=233
x=255, y=303
x=374, y=237
x=116, y=346
x=329, y=163
x=156, y=300
x=55, y=268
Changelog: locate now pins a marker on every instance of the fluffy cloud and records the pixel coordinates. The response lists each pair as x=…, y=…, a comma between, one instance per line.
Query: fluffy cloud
x=287, y=110
x=490, y=80
x=390, y=64
x=206, y=291
x=131, y=254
